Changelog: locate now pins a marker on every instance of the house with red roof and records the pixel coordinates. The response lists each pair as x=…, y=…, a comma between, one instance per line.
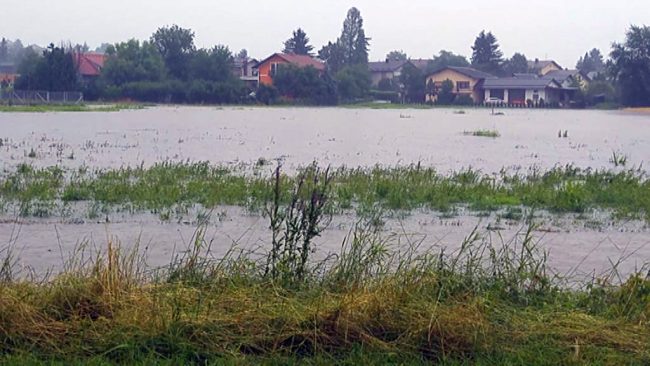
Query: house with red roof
x=268, y=66
x=89, y=65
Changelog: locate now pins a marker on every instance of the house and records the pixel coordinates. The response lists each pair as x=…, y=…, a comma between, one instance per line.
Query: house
x=246, y=70
x=268, y=66
x=89, y=65
x=523, y=90
x=569, y=78
x=543, y=67
x=8, y=75
x=467, y=81
x=385, y=70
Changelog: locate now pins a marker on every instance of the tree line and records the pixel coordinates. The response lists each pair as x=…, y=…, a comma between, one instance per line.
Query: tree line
x=168, y=67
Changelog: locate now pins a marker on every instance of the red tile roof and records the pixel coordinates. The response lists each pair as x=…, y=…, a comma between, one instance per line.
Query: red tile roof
x=90, y=64
x=298, y=60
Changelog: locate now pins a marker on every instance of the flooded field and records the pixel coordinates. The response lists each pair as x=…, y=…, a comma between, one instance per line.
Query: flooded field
x=439, y=138
x=336, y=136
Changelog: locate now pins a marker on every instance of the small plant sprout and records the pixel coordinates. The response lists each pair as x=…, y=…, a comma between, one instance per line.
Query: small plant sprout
x=618, y=159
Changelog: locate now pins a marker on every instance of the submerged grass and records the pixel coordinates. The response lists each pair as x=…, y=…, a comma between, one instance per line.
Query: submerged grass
x=41, y=108
x=168, y=185
x=483, y=133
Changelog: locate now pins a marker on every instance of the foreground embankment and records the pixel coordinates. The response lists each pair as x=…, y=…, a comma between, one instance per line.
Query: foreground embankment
x=480, y=305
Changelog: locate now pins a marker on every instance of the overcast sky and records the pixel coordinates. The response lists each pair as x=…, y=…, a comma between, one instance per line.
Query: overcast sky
x=557, y=29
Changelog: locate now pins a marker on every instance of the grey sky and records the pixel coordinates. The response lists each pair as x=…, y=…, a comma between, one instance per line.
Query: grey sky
x=558, y=29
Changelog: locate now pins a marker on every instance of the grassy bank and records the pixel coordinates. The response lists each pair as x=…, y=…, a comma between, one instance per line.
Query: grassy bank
x=371, y=304
x=68, y=108
x=166, y=186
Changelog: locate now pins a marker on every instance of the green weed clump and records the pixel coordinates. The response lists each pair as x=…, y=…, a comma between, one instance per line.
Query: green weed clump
x=165, y=186
x=483, y=133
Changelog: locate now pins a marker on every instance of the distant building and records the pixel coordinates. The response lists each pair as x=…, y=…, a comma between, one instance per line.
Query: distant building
x=245, y=69
x=8, y=75
x=385, y=70
x=569, y=78
x=543, y=67
x=466, y=80
x=268, y=67
x=520, y=90
x=89, y=65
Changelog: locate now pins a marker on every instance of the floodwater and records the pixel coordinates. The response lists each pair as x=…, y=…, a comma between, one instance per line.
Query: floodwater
x=334, y=136
x=330, y=136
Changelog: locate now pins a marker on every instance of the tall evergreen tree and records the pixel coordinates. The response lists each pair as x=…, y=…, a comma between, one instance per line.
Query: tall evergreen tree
x=486, y=55
x=517, y=64
x=4, y=50
x=298, y=43
x=353, y=39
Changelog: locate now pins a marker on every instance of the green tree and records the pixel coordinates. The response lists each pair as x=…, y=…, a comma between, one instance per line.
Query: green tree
x=396, y=56
x=517, y=64
x=447, y=58
x=305, y=84
x=446, y=95
x=4, y=50
x=353, y=82
x=212, y=65
x=630, y=66
x=298, y=43
x=176, y=46
x=486, y=55
x=332, y=54
x=414, y=84
x=351, y=48
x=54, y=71
x=591, y=62
x=132, y=62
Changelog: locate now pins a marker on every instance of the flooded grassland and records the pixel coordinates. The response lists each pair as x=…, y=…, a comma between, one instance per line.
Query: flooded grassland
x=251, y=141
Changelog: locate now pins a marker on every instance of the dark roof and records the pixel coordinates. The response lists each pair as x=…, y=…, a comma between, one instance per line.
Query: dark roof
x=7, y=68
x=420, y=63
x=298, y=60
x=561, y=75
x=467, y=71
x=519, y=83
x=540, y=64
x=525, y=76
x=386, y=66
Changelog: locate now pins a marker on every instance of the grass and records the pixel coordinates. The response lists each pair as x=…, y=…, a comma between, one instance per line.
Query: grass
x=483, y=133
x=487, y=304
x=68, y=108
x=374, y=302
x=168, y=186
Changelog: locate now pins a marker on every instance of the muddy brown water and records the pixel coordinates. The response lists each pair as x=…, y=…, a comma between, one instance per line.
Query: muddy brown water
x=335, y=136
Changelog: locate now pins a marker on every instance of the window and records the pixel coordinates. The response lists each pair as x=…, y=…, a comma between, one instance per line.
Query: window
x=274, y=68
x=462, y=85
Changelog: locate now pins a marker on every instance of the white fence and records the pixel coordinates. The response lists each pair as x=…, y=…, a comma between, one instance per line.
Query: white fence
x=40, y=97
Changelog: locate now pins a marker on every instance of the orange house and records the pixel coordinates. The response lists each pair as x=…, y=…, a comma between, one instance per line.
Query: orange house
x=269, y=65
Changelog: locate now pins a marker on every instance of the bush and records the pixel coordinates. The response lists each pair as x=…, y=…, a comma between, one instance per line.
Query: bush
x=463, y=100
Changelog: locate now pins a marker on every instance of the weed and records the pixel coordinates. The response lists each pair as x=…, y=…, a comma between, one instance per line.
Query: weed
x=483, y=133
x=618, y=159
